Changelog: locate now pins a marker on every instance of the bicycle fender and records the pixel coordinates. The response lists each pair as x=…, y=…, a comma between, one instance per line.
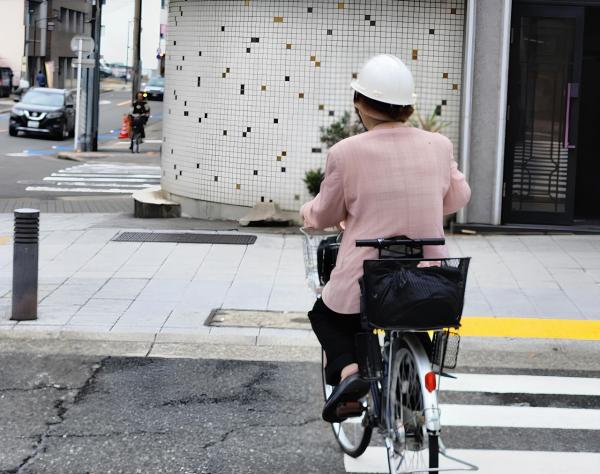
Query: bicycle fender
x=431, y=407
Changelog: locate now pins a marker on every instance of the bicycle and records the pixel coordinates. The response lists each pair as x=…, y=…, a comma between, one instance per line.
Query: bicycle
x=404, y=374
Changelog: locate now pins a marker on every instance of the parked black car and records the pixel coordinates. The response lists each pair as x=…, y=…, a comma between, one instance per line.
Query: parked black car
x=6, y=79
x=44, y=111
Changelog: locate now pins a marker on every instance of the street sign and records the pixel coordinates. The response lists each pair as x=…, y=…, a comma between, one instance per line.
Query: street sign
x=85, y=44
x=85, y=62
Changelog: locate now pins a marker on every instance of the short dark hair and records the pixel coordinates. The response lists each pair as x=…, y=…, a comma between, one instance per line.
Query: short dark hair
x=396, y=113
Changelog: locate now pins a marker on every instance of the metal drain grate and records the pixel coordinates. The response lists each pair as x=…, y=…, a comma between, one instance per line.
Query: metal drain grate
x=186, y=238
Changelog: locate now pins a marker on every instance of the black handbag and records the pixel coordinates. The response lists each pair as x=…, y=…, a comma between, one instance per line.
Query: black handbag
x=398, y=294
x=326, y=257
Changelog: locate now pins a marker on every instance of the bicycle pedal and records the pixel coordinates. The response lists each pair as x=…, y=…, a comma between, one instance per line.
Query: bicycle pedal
x=349, y=409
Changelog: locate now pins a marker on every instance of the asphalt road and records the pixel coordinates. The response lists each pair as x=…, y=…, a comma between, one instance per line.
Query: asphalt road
x=69, y=414
x=91, y=414
x=25, y=161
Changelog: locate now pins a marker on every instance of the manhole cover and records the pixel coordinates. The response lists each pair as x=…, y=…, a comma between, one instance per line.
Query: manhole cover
x=262, y=319
x=186, y=238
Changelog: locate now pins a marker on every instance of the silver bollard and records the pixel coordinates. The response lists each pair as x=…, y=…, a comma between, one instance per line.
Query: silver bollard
x=25, y=265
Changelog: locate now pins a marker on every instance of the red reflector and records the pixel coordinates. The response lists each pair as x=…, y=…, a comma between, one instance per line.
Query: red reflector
x=430, y=381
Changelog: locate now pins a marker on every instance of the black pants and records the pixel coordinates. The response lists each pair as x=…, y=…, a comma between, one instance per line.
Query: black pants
x=336, y=332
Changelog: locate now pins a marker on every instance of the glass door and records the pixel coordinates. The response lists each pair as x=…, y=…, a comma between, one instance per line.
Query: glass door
x=541, y=148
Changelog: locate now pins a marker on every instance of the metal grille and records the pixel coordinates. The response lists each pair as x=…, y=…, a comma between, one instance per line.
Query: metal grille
x=186, y=238
x=446, y=346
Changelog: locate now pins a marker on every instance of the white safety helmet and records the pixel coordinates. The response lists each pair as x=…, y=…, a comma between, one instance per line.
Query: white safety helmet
x=387, y=79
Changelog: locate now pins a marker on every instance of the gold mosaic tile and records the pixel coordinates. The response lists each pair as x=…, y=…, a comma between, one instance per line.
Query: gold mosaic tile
x=454, y=87
x=317, y=63
x=238, y=186
x=288, y=45
x=445, y=75
x=277, y=19
x=301, y=95
x=313, y=58
x=341, y=5
x=321, y=107
x=415, y=54
x=278, y=158
x=247, y=3
x=263, y=87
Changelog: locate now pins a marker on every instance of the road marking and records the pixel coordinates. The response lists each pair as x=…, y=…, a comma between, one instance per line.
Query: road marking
x=520, y=417
x=4, y=130
x=536, y=384
x=106, y=180
x=374, y=460
x=81, y=190
x=110, y=175
x=99, y=179
x=123, y=103
x=104, y=102
x=530, y=328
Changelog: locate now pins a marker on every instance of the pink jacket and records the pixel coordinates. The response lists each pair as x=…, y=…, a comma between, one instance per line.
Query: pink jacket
x=386, y=182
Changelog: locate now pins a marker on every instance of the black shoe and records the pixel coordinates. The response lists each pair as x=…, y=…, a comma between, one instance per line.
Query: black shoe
x=351, y=389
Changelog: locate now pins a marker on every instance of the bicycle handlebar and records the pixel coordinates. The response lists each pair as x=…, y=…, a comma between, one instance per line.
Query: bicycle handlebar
x=383, y=243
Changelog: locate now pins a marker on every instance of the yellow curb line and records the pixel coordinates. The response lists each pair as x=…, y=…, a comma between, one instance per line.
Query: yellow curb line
x=530, y=328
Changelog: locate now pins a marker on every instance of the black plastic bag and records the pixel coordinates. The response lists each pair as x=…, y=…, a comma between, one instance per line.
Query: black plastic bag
x=397, y=294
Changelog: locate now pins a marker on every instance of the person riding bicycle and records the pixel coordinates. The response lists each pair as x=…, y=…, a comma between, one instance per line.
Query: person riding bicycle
x=140, y=112
x=391, y=180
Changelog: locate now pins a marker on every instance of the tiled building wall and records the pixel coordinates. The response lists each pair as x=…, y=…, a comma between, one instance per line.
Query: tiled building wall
x=249, y=83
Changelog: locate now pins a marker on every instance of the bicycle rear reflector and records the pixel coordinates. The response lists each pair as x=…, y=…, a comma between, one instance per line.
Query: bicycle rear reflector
x=430, y=381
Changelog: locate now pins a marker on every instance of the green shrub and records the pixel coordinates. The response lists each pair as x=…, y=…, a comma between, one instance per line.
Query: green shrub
x=340, y=129
x=313, y=179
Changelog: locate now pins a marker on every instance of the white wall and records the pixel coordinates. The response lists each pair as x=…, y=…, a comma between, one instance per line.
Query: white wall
x=12, y=36
x=116, y=15
x=224, y=146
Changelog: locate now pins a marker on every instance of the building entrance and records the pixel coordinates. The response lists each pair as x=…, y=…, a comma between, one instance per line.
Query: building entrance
x=552, y=169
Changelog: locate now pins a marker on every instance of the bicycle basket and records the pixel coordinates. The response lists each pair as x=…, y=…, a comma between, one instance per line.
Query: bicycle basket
x=405, y=294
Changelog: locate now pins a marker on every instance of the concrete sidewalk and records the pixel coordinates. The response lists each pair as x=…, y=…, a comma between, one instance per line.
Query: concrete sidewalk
x=92, y=287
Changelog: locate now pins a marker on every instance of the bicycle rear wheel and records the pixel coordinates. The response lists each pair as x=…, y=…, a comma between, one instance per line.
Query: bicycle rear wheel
x=410, y=447
x=354, y=434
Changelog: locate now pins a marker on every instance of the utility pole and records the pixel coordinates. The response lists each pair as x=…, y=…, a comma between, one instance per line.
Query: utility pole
x=90, y=137
x=137, y=32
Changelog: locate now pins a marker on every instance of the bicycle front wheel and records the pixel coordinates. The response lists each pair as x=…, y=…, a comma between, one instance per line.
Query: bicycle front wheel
x=354, y=434
x=409, y=446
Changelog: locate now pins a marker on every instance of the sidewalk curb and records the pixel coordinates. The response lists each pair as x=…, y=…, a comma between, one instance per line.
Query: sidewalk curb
x=230, y=336
x=68, y=156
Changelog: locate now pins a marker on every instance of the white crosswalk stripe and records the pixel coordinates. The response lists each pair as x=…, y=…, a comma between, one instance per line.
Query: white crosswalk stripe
x=100, y=178
x=559, y=410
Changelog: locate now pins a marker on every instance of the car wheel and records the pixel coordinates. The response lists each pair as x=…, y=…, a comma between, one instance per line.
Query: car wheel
x=12, y=131
x=61, y=134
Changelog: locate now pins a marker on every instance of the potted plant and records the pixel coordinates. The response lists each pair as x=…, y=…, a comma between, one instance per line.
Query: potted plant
x=432, y=123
